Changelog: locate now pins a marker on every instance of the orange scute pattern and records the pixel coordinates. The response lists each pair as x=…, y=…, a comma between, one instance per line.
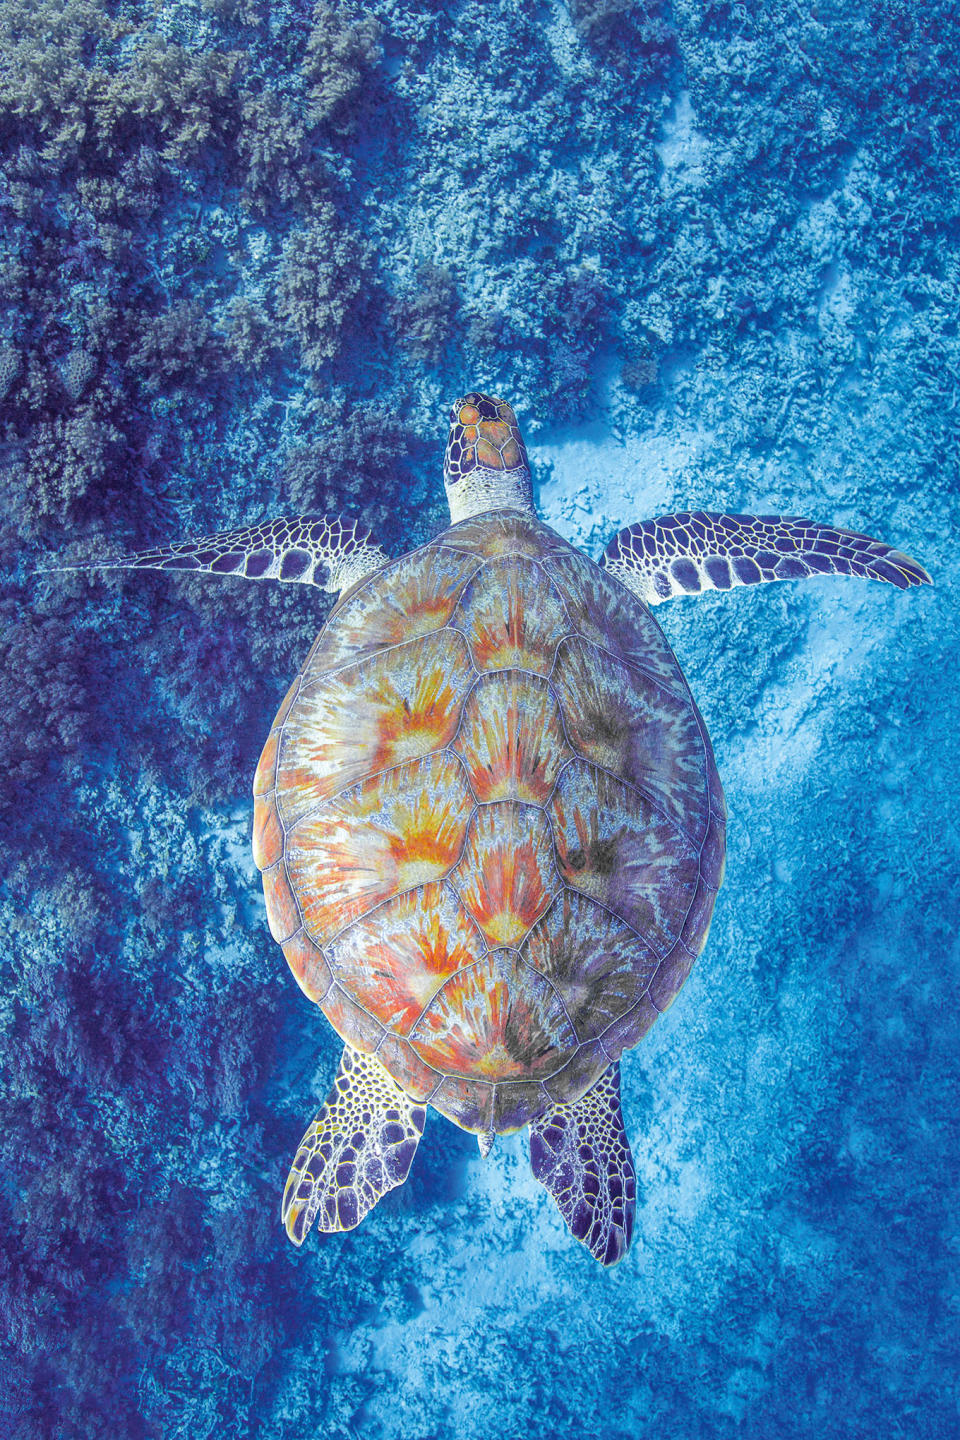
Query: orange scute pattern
x=396, y=959
x=413, y=596
x=508, y=875
x=512, y=616
x=391, y=833
x=511, y=739
x=497, y=1021
x=369, y=717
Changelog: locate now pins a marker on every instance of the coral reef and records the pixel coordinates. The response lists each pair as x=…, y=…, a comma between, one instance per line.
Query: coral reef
x=249, y=255
x=319, y=284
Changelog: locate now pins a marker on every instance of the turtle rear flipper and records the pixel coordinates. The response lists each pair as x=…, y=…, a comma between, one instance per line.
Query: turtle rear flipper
x=306, y=550
x=581, y=1153
x=694, y=551
x=360, y=1144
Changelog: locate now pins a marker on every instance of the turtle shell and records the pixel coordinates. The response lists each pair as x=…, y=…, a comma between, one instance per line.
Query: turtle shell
x=489, y=822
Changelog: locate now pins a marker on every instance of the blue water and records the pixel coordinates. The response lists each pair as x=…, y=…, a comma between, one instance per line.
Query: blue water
x=251, y=254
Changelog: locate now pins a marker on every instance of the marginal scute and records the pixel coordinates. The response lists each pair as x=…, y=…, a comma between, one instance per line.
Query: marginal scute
x=266, y=777
x=310, y=969
x=512, y=616
x=516, y=1103
x=285, y=704
x=401, y=1061
x=626, y=1032
x=468, y=1103
x=582, y=1070
x=367, y=718
x=718, y=802
x=267, y=834
x=697, y=924
x=351, y=1022
x=386, y=835
x=713, y=853
x=282, y=912
x=670, y=976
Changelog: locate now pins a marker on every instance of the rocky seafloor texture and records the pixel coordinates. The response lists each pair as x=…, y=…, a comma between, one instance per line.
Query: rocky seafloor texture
x=249, y=256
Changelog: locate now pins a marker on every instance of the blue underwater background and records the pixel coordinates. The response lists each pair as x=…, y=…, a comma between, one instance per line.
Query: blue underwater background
x=250, y=254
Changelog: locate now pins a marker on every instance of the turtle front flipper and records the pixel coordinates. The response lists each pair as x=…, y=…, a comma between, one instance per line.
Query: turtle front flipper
x=360, y=1144
x=307, y=550
x=581, y=1153
x=693, y=551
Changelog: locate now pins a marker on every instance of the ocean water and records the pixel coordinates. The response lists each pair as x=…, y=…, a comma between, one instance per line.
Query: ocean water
x=250, y=254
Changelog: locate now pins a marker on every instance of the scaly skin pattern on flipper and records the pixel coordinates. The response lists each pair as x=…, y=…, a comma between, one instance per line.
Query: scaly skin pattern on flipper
x=581, y=1154
x=692, y=551
x=360, y=1144
x=307, y=550
x=489, y=822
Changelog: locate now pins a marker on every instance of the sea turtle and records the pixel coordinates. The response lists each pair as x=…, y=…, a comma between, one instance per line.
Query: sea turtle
x=488, y=818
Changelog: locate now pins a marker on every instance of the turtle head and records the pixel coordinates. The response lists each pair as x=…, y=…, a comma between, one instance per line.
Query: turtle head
x=485, y=465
